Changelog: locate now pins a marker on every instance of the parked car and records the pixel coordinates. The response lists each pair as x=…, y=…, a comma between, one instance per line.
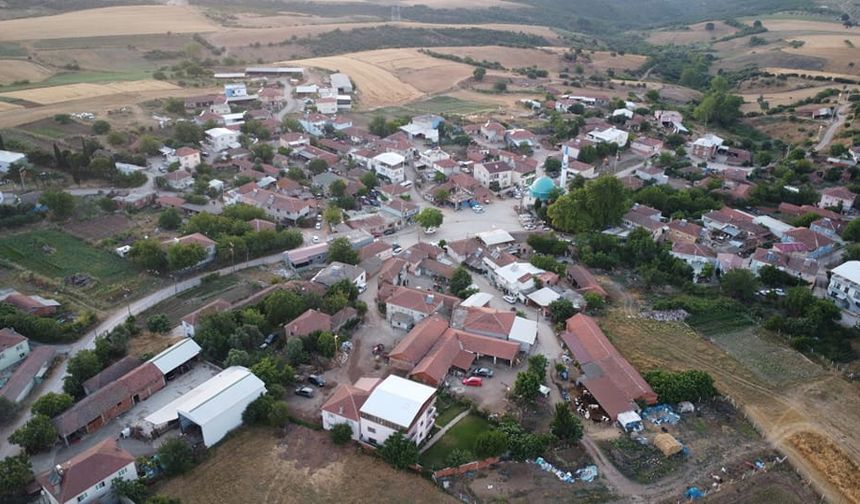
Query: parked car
x=269, y=340
x=473, y=381
x=389, y=231
x=396, y=249
x=510, y=298
x=430, y=230
x=317, y=380
x=315, y=239
x=305, y=392
x=484, y=372
x=318, y=226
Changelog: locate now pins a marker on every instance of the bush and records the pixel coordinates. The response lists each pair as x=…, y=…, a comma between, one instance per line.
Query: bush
x=158, y=323
x=175, y=457
x=8, y=409
x=101, y=127
x=341, y=433
x=565, y=425
x=491, y=444
x=399, y=451
x=458, y=456
x=52, y=404
x=674, y=387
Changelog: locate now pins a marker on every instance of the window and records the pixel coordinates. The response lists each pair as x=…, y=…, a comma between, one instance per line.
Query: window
x=100, y=485
x=371, y=430
x=123, y=471
x=82, y=497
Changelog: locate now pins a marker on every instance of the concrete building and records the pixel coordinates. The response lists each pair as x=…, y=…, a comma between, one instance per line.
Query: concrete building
x=344, y=405
x=844, y=287
x=188, y=158
x=398, y=405
x=28, y=374
x=306, y=257
x=337, y=271
x=13, y=347
x=391, y=166
x=222, y=139
x=8, y=158
x=495, y=171
x=88, y=477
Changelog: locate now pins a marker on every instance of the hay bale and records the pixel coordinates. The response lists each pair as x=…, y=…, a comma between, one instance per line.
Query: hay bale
x=667, y=444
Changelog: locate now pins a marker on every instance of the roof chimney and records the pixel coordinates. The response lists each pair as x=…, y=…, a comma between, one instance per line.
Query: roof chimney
x=429, y=298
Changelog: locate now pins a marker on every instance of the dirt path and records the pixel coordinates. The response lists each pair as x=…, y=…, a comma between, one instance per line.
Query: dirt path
x=826, y=405
x=841, y=116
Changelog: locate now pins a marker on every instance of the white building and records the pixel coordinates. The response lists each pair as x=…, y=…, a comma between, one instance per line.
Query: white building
x=398, y=405
x=213, y=408
x=516, y=278
x=341, y=82
x=13, y=347
x=189, y=158
x=390, y=165
x=176, y=356
x=844, y=287
x=222, y=139
x=610, y=135
x=327, y=105
x=343, y=406
x=88, y=477
x=8, y=158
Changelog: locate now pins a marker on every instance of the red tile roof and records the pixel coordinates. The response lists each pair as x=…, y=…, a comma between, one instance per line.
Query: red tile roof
x=112, y=373
x=86, y=469
x=489, y=320
x=9, y=337
x=346, y=401
x=415, y=345
x=584, y=280
x=308, y=322
x=194, y=317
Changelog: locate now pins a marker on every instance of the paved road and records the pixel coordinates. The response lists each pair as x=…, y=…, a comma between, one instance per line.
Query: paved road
x=830, y=132
x=55, y=382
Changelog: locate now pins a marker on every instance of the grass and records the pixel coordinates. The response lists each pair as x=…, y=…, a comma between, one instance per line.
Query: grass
x=11, y=50
x=449, y=413
x=84, y=77
x=720, y=321
x=49, y=131
x=435, y=105
x=460, y=436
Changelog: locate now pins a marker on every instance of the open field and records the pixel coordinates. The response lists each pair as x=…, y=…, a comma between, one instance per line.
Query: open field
x=254, y=465
x=59, y=94
x=781, y=97
x=779, y=126
x=132, y=20
x=805, y=26
x=825, y=405
x=696, y=33
x=602, y=61
x=393, y=76
x=8, y=106
x=19, y=70
x=509, y=57
x=437, y=4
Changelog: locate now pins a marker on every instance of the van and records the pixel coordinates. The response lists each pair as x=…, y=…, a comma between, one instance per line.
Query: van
x=406, y=183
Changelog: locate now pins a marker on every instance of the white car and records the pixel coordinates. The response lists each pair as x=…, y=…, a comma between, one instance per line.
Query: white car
x=318, y=226
x=510, y=299
x=430, y=230
x=315, y=239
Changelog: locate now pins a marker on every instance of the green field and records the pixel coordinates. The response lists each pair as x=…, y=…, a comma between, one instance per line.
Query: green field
x=11, y=50
x=460, y=436
x=87, y=77
x=435, y=105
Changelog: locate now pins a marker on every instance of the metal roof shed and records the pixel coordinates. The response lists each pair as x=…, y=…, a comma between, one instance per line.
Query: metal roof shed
x=176, y=355
x=397, y=400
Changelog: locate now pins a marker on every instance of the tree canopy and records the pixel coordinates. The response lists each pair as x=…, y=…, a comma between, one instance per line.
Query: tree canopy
x=600, y=203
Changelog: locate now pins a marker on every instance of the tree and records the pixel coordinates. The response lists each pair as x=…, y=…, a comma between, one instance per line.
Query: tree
x=479, y=73
x=61, y=204
x=186, y=132
x=674, y=387
x=279, y=414
x=500, y=86
x=161, y=499
x=116, y=138
x=852, y=231
x=337, y=188
x=158, y=323
x=710, y=26
x=175, y=457
x=560, y=310
x=135, y=490
x=36, y=435
x=15, y=474
x=429, y=217
x=333, y=215
x=273, y=371
x=594, y=301
x=341, y=250
x=317, y=166
x=170, y=219
x=148, y=145
x=148, y=254
x=399, y=451
x=460, y=282
x=600, y=203
x=181, y=256
x=552, y=166
x=740, y=284
x=490, y=443
x=718, y=106
x=341, y=433
x=537, y=366
x=441, y=196
x=524, y=445
x=81, y=367
x=458, y=457
x=52, y=404
x=237, y=357
x=527, y=386
x=101, y=127
x=547, y=244
x=8, y=409
x=295, y=351
x=370, y=180
x=327, y=344
x=797, y=301
x=565, y=426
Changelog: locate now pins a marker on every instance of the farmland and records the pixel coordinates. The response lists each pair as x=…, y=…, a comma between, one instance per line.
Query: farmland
x=111, y=21
x=693, y=34
x=20, y=70
x=70, y=92
x=302, y=466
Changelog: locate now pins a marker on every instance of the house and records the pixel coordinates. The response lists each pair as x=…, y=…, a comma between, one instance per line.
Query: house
x=28, y=374
x=378, y=249
x=646, y=146
x=222, y=139
x=306, y=257
x=374, y=224
x=584, y=280
x=13, y=347
x=33, y=304
x=423, y=126
x=190, y=322
x=390, y=165
x=494, y=173
x=309, y=322
x=212, y=409
x=683, y=231
x=93, y=411
x=844, y=286
x=341, y=82
x=837, y=197
x=645, y=217
x=572, y=148
x=516, y=278
x=407, y=306
x=314, y=124
x=609, y=136
x=575, y=169
x=816, y=245
x=516, y=138
x=8, y=158
x=697, y=256
x=337, y=271
x=671, y=119
x=327, y=105
x=706, y=147
x=398, y=405
x=88, y=476
x=501, y=324
x=188, y=158
x=493, y=132
x=203, y=241
x=431, y=156
x=344, y=405
x=653, y=174
x=432, y=349
x=272, y=96
x=606, y=374
x=829, y=228
x=401, y=209
x=179, y=180
x=294, y=140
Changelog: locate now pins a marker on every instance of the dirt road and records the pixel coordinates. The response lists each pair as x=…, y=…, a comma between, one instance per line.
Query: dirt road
x=830, y=132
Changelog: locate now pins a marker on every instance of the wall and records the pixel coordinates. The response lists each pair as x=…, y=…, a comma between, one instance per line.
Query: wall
x=230, y=419
x=12, y=355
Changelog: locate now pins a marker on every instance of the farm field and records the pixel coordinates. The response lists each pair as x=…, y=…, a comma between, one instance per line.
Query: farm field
x=132, y=20
x=696, y=33
x=791, y=132
x=781, y=97
x=19, y=70
x=811, y=73
x=256, y=465
x=825, y=406
x=8, y=106
x=437, y=4
x=70, y=92
x=509, y=57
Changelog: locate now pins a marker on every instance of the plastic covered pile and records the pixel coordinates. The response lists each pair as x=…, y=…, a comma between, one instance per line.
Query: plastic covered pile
x=587, y=473
x=661, y=414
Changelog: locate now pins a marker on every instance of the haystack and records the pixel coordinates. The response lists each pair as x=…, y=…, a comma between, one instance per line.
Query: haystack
x=667, y=444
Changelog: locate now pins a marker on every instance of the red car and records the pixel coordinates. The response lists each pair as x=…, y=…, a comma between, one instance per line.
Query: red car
x=473, y=381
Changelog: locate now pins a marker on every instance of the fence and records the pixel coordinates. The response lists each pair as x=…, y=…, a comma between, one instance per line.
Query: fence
x=464, y=468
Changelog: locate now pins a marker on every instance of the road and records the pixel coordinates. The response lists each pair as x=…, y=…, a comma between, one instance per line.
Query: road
x=830, y=132
x=54, y=383
x=292, y=106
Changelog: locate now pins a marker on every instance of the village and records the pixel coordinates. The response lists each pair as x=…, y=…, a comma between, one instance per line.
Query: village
x=441, y=291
